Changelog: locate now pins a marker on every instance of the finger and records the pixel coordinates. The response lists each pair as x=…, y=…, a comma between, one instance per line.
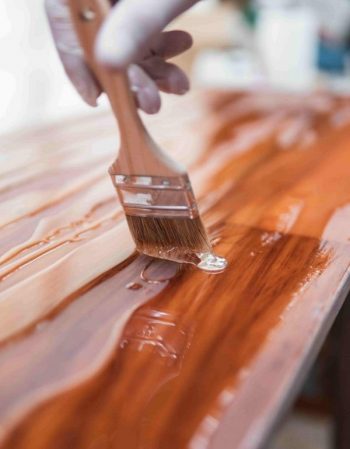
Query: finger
x=132, y=26
x=70, y=52
x=168, y=77
x=145, y=90
x=81, y=78
x=170, y=44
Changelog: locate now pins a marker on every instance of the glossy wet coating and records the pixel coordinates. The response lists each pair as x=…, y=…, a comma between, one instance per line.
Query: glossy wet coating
x=211, y=263
x=103, y=349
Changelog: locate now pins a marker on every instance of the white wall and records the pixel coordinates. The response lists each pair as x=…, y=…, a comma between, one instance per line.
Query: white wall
x=33, y=86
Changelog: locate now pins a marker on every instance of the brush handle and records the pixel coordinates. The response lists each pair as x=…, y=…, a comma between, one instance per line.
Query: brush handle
x=139, y=154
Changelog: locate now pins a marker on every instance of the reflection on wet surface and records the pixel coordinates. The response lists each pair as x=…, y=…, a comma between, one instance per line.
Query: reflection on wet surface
x=184, y=346
x=157, y=332
x=158, y=272
x=148, y=356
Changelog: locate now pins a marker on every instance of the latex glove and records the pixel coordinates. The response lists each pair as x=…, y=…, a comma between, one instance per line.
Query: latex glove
x=132, y=37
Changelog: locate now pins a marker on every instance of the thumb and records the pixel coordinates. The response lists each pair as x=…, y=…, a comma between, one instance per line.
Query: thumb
x=69, y=50
x=132, y=25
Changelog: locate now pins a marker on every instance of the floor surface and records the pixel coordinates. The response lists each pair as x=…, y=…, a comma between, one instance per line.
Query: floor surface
x=301, y=431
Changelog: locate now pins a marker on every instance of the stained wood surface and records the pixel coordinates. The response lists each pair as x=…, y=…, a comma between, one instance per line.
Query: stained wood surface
x=102, y=348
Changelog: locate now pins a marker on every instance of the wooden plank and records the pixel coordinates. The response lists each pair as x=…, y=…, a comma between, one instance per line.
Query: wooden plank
x=101, y=348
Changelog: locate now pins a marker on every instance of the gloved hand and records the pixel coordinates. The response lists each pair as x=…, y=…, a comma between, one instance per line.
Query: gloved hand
x=132, y=36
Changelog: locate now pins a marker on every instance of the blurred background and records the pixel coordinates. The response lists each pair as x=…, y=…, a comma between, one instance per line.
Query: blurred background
x=289, y=44
x=293, y=45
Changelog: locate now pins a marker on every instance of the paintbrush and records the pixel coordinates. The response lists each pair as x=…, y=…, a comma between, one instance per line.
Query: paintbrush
x=155, y=191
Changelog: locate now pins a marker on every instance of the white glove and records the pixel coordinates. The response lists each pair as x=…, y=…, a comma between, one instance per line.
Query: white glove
x=132, y=36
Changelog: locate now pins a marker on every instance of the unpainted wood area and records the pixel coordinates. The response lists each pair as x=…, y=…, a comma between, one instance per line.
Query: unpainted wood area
x=103, y=348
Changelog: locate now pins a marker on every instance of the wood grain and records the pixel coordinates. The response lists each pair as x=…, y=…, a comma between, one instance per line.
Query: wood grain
x=102, y=348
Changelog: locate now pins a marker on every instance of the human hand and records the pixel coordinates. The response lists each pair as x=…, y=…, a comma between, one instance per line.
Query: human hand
x=132, y=37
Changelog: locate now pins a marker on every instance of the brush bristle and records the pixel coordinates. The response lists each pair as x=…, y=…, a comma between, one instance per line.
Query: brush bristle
x=158, y=236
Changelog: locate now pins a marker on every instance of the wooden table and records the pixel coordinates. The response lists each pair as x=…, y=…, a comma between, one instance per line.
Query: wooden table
x=102, y=348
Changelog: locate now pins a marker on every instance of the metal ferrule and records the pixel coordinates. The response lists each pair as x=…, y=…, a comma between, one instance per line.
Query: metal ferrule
x=157, y=196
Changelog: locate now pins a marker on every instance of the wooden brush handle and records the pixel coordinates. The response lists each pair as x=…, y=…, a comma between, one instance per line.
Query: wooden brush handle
x=138, y=154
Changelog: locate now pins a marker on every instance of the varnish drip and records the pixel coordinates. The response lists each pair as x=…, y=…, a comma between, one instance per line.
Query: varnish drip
x=208, y=261
x=161, y=333
x=211, y=263
x=133, y=286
